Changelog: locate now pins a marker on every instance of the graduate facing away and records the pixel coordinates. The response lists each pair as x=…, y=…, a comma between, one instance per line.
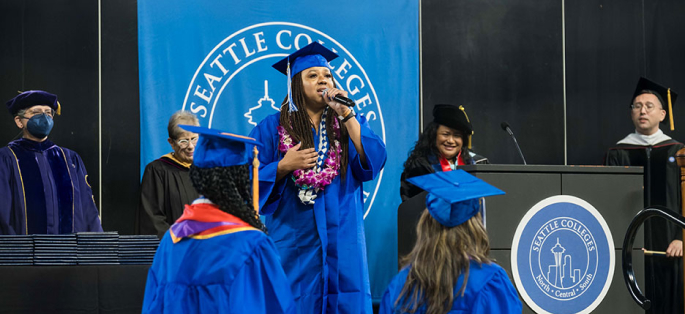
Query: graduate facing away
x=217, y=258
x=448, y=270
x=316, y=155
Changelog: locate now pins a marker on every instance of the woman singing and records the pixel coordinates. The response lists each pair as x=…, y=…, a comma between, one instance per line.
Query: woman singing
x=317, y=154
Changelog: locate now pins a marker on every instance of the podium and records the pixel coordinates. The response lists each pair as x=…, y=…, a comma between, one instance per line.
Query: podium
x=616, y=192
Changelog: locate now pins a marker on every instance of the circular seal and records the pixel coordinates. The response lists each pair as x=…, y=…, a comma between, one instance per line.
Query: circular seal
x=235, y=87
x=562, y=256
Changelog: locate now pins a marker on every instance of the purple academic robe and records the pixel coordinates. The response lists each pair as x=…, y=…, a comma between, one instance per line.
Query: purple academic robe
x=44, y=190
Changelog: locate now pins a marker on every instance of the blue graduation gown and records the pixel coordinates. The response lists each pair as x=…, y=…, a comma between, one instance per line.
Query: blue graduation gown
x=322, y=246
x=44, y=190
x=488, y=290
x=230, y=273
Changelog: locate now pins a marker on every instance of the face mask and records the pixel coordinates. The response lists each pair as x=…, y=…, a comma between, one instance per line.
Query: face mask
x=40, y=125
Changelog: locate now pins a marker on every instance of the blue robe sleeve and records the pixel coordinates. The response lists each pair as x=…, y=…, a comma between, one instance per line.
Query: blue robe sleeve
x=269, y=190
x=498, y=296
x=375, y=152
x=386, y=303
x=89, y=217
x=150, y=305
x=261, y=286
x=393, y=292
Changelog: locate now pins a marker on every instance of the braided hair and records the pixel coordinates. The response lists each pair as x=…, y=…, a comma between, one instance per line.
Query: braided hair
x=229, y=188
x=299, y=125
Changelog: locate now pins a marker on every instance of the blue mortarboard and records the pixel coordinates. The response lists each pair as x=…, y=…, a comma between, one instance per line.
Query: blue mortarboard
x=453, y=195
x=32, y=98
x=312, y=55
x=216, y=148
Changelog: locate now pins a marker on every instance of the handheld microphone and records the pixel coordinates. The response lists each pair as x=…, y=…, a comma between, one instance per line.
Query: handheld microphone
x=342, y=99
x=505, y=126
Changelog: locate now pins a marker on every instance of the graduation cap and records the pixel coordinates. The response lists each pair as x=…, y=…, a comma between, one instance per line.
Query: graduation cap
x=32, y=98
x=453, y=117
x=312, y=55
x=453, y=195
x=661, y=92
x=216, y=148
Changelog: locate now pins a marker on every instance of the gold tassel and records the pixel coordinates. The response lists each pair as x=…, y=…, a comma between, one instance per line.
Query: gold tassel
x=467, y=120
x=59, y=109
x=255, y=182
x=670, y=110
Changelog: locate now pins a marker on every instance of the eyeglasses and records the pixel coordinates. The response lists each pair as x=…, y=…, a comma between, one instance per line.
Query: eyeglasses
x=185, y=142
x=648, y=106
x=34, y=112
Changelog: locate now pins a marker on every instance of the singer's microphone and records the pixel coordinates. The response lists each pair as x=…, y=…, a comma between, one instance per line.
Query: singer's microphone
x=342, y=99
x=505, y=126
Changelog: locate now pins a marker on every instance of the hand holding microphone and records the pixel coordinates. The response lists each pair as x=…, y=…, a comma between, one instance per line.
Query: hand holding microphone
x=339, y=99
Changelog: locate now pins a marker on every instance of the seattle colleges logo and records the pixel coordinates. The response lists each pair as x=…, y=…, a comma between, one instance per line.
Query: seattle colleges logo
x=562, y=256
x=235, y=87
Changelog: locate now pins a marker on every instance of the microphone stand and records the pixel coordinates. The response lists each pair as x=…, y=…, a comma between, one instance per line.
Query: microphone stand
x=505, y=126
x=519, y=148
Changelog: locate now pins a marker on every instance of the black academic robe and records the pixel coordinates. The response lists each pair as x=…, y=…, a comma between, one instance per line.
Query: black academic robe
x=663, y=276
x=165, y=190
x=44, y=190
x=421, y=166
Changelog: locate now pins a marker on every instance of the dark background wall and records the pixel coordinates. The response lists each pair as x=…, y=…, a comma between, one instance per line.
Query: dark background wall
x=54, y=46
x=502, y=59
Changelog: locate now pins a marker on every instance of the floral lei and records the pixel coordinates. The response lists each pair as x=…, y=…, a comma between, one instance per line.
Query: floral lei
x=311, y=181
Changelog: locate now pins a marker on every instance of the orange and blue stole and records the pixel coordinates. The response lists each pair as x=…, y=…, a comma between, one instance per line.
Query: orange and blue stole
x=204, y=220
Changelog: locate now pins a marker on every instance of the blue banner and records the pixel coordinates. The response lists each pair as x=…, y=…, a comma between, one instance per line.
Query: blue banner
x=214, y=58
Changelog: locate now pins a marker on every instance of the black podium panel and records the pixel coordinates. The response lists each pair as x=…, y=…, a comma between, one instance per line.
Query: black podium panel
x=408, y=215
x=618, y=199
x=616, y=192
x=503, y=212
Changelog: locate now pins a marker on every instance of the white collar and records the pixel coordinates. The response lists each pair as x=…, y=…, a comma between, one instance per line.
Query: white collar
x=645, y=140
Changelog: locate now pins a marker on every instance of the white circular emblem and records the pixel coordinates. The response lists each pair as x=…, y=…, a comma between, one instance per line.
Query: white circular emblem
x=234, y=87
x=563, y=256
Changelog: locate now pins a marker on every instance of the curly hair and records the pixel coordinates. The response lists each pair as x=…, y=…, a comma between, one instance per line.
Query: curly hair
x=229, y=188
x=425, y=147
x=299, y=125
x=441, y=254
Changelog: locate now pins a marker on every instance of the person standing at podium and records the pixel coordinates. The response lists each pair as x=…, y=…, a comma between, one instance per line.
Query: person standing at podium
x=650, y=148
x=444, y=144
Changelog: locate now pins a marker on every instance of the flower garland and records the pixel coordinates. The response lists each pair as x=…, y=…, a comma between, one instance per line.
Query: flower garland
x=311, y=181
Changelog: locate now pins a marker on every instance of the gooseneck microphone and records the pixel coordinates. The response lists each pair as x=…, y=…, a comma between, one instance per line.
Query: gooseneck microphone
x=341, y=99
x=505, y=126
